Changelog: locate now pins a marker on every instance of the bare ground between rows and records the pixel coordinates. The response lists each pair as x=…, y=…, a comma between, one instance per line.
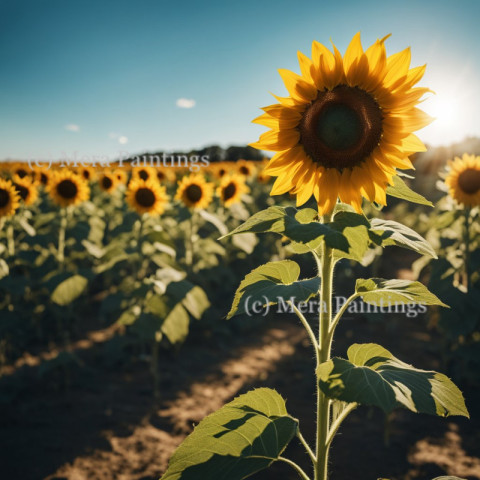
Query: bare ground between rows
x=98, y=419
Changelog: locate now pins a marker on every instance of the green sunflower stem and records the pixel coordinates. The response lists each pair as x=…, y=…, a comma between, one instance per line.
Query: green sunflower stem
x=467, y=247
x=10, y=240
x=61, y=236
x=326, y=265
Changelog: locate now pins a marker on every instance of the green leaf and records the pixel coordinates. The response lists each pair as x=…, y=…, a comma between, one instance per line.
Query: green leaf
x=246, y=242
x=448, y=477
x=175, y=325
x=378, y=291
x=355, y=228
x=29, y=230
x=298, y=225
x=193, y=298
x=4, y=270
x=269, y=282
x=243, y=437
x=373, y=376
x=401, y=190
x=69, y=290
x=389, y=232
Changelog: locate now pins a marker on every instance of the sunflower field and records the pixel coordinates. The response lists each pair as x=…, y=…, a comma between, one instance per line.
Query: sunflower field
x=132, y=243
x=306, y=306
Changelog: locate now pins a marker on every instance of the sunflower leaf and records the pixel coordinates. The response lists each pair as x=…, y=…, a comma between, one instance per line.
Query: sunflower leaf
x=389, y=232
x=69, y=290
x=400, y=189
x=243, y=437
x=390, y=292
x=373, y=376
x=270, y=284
x=300, y=226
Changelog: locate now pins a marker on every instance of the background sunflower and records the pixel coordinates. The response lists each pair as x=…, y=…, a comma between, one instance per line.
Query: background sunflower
x=9, y=198
x=463, y=180
x=107, y=181
x=146, y=196
x=26, y=188
x=346, y=126
x=194, y=191
x=67, y=188
x=231, y=189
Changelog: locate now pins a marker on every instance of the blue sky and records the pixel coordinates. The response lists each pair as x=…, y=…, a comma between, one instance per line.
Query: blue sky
x=94, y=78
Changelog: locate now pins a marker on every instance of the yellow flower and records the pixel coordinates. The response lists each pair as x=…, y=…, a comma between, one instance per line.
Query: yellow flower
x=87, y=173
x=22, y=170
x=67, y=188
x=346, y=126
x=245, y=168
x=220, y=169
x=9, y=198
x=107, y=181
x=165, y=174
x=144, y=173
x=463, y=180
x=26, y=188
x=43, y=176
x=121, y=176
x=146, y=196
x=231, y=189
x=194, y=191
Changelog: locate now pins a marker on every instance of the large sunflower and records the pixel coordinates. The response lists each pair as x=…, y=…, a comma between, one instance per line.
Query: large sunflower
x=194, y=191
x=67, y=188
x=146, y=196
x=463, y=180
x=346, y=126
x=231, y=189
x=9, y=198
x=26, y=188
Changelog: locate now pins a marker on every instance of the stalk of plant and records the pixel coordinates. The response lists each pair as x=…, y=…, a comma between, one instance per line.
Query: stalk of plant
x=467, y=247
x=342, y=134
x=10, y=239
x=61, y=236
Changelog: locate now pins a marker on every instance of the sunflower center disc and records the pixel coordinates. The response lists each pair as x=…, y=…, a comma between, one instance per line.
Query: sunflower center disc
x=145, y=197
x=469, y=181
x=341, y=128
x=193, y=193
x=23, y=191
x=244, y=170
x=4, y=198
x=229, y=191
x=43, y=179
x=67, y=189
x=107, y=183
x=143, y=174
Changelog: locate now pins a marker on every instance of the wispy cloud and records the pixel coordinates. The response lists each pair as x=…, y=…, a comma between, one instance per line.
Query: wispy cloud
x=186, y=103
x=121, y=139
x=72, y=127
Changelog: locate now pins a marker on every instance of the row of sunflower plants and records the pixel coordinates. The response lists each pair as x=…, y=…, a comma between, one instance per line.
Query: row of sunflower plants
x=454, y=230
x=132, y=244
x=341, y=136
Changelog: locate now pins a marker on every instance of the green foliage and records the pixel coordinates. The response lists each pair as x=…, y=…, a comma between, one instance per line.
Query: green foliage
x=269, y=282
x=401, y=190
x=389, y=292
x=243, y=437
x=69, y=290
x=373, y=376
x=389, y=232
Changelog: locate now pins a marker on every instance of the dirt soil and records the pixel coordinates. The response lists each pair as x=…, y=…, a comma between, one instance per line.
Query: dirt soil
x=90, y=418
